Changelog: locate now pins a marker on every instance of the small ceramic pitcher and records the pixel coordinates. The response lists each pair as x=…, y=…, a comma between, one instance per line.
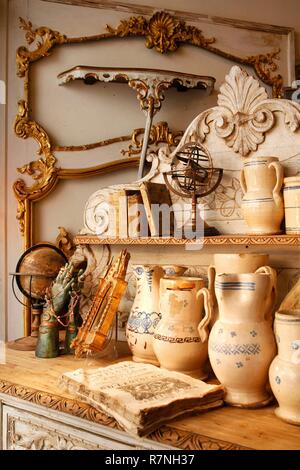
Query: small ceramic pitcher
x=291, y=195
x=144, y=314
x=262, y=204
x=180, y=338
x=284, y=372
x=242, y=344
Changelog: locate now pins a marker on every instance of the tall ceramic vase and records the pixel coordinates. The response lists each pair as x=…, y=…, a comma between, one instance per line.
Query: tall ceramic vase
x=144, y=314
x=233, y=263
x=242, y=344
x=262, y=204
x=285, y=369
x=181, y=337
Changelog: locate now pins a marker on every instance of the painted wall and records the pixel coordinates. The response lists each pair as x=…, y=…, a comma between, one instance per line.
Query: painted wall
x=75, y=114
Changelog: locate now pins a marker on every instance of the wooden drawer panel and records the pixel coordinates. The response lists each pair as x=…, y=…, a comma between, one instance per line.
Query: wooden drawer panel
x=28, y=431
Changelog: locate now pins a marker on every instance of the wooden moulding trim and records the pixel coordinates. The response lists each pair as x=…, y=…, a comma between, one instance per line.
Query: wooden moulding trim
x=74, y=173
x=126, y=7
x=256, y=240
x=165, y=434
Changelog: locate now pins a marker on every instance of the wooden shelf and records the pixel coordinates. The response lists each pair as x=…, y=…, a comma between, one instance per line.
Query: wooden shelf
x=24, y=384
x=224, y=240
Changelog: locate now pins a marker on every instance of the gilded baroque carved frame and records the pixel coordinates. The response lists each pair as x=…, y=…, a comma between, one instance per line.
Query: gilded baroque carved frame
x=164, y=33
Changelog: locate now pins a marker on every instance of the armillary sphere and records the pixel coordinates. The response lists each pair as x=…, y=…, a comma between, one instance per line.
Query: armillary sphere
x=194, y=176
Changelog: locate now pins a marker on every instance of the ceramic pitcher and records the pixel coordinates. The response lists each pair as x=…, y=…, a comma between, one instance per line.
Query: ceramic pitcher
x=291, y=195
x=242, y=344
x=262, y=204
x=144, y=314
x=181, y=336
x=232, y=263
x=284, y=372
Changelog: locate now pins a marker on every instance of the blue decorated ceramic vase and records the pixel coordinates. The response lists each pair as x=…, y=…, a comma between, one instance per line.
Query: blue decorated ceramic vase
x=144, y=315
x=241, y=345
x=284, y=372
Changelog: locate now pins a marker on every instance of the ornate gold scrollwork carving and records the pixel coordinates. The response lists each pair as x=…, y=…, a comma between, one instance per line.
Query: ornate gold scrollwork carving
x=160, y=134
x=165, y=33
x=64, y=241
x=162, y=31
x=264, y=67
x=43, y=171
x=48, y=39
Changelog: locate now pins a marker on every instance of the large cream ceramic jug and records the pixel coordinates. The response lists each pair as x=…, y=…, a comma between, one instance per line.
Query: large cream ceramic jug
x=233, y=263
x=180, y=338
x=284, y=372
x=144, y=314
x=241, y=343
x=262, y=204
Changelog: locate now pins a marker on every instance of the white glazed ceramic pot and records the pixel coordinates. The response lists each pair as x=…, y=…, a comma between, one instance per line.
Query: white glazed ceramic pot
x=241, y=344
x=144, y=314
x=291, y=195
x=284, y=372
x=262, y=204
x=233, y=263
x=180, y=338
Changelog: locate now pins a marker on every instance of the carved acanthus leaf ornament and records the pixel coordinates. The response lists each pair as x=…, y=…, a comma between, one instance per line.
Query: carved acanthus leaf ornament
x=243, y=116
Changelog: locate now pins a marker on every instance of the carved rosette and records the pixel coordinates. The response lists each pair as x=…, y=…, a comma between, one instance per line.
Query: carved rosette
x=243, y=116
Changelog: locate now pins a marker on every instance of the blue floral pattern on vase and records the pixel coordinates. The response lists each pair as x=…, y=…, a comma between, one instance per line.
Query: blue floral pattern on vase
x=295, y=346
x=277, y=379
x=239, y=365
x=253, y=333
x=143, y=322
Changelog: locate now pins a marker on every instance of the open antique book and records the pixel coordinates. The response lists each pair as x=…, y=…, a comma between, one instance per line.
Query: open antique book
x=141, y=397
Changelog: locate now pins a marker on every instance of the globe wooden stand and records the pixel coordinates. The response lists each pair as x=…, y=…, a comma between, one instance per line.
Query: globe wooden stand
x=28, y=343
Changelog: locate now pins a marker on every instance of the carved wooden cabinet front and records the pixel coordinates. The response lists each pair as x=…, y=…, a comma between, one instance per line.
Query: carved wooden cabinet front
x=24, y=431
x=27, y=427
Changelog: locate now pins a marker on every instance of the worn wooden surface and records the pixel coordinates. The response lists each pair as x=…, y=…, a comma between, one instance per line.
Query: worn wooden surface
x=226, y=427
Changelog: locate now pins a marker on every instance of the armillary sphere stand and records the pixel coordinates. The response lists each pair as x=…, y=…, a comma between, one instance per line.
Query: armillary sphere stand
x=149, y=84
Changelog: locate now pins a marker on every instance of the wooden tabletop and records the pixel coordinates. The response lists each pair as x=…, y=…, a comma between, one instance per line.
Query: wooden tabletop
x=36, y=380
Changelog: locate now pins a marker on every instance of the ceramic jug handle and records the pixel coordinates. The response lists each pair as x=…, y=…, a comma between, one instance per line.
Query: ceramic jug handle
x=203, y=325
x=279, y=180
x=273, y=275
x=211, y=274
x=243, y=181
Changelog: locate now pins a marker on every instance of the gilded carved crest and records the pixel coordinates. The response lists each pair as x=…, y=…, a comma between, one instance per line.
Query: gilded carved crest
x=162, y=31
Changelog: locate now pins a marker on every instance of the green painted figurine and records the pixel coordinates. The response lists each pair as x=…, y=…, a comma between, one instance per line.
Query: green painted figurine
x=57, y=299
